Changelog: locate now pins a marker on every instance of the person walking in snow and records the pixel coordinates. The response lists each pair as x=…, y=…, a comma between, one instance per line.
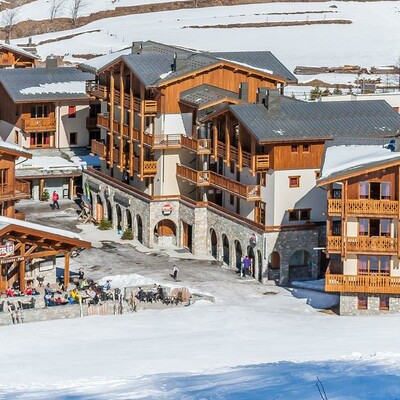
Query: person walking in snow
x=55, y=201
x=175, y=272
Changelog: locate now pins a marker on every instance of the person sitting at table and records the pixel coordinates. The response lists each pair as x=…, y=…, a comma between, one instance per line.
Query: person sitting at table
x=61, y=288
x=160, y=293
x=75, y=295
x=10, y=292
x=15, y=286
x=28, y=291
x=141, y=296
x=107, y=286
x=60, y=301
x=84, y=284
x=94, y=298
x=48, y=289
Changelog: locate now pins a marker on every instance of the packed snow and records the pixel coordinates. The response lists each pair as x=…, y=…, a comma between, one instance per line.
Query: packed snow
x=56, y=87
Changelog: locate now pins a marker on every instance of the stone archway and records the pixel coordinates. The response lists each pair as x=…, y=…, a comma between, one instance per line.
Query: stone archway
x=119, y=217
x=274, y=265
x=250, y=253
x=238, y=254
x=300, y=265
x=165, y=232
x=213, y=243
x=109, y=210
x=260, y=266
x=139, y=228
x=225, y=249
x=128, y=219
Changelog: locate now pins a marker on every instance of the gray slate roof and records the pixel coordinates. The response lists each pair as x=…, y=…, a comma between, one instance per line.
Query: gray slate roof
x=14, y=80
x=298, y=120
x=202, y=95
x=154, y=65
x=258, y=59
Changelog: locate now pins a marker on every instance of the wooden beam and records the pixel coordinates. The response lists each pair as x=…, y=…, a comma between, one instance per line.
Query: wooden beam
x=131, y=124
x=121, y=116
x=215, y=139
x=66, y=270
x=142, y=123
x=21, y=271
x=240, y=151
x=253, y=155
x=112, y=100
x=227, y=141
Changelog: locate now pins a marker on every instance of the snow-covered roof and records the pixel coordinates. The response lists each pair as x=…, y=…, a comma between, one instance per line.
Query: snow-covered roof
x=17, y=49
x=56, y=87
x=96, y=63
x=14, y=148
x=345, y=158
x=48, y=163
x=5, y=222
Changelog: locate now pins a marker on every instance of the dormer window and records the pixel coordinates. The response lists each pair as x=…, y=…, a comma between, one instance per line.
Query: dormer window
x=375, y=190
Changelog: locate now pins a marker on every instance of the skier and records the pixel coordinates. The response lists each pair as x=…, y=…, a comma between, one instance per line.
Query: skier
x=55, y=201
x=175, y=272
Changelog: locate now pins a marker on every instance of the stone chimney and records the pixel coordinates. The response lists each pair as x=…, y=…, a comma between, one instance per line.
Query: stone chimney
x=273, y=100
x=136, y=47
x=244, y=91
x=51, y=62
x=261, y=95
x=181, y=61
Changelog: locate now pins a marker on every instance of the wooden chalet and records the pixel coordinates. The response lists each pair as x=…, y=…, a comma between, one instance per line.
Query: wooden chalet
x=29, y=251
x=16, y=57
x=11, y=189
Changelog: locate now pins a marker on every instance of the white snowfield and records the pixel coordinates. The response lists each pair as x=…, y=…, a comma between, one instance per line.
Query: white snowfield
x=245, y=326
x=372, y=38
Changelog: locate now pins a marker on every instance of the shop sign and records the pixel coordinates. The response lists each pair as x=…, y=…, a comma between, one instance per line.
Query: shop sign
x=7, y=249
x=10, y=260
x=253, y=239
x=166, y=209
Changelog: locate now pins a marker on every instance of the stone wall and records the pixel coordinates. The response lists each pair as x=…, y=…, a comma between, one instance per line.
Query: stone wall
x=349, y=304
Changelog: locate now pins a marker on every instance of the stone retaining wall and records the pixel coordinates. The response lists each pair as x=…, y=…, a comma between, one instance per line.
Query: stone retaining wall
x=349, y=304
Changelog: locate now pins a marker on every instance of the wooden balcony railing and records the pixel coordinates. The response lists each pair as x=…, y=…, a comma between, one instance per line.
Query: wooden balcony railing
x=262, y=162
x=44, y=124
x=117, y=98
x=167, y=141
x=103, y=120
x=362, y=244
x=362, y=283
x=96, y=90
x=99, y=148
x=149, y=167
x=210, y=178
x=19, y=190
x=364, y=207
x=150, y=106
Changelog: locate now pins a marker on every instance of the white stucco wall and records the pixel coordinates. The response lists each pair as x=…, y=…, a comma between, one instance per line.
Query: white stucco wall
x=350, y=265
x=168, y=124
x=352, y=228
x=394, y=267
x=7, y=134
x=307, y=195
x=67, y=125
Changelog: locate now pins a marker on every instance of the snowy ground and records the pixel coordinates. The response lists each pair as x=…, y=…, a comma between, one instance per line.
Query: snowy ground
x=256, y=341
x=371, y=40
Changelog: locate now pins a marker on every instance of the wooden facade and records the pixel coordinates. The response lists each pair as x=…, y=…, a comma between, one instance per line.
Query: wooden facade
x=11, y=188
x=13, y=59
x=363, y=221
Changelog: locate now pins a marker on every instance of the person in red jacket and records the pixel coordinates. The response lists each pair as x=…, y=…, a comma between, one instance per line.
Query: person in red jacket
x=55, y=200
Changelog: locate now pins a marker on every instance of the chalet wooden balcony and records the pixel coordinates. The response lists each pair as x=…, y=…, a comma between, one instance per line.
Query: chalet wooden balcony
x=5, y=60
x=361, y=283
x=150, y=106
x=19, y=190
x=103, y=121
x=200, y=146
x=365, y=207
x=96, y=90
x=261, y=162
x=210, y=178
x=363, y=245
x=99, y=148
x=43, y=124
x=149, y=168
x=117, y=98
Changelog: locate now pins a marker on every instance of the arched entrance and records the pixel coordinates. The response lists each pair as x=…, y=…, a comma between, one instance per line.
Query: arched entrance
x=238, y=254
x=139, y=229
x=109, y=210
x=128, y=219
x=165, y=233
x=260, y=266
x=213, y=243
x=99, y=212
x=300, y=265
x=119, y=217
x=274, y=265
x=250, y=253
x=225, y=249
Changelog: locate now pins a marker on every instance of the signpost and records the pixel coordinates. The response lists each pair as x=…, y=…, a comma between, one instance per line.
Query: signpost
x=166, y=209
x=7, y=249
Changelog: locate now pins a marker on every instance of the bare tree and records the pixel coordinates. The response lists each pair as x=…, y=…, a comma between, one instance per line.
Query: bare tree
x=9, y=19
x=55, y=7
x=76, y=8
x=396, y=75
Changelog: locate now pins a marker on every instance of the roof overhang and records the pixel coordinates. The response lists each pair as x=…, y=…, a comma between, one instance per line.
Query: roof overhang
x=16, y=153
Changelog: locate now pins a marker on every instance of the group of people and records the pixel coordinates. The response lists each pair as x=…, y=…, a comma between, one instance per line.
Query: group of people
x=156, y=293
x=50, y=298
x=14, y=290
x=246, y=267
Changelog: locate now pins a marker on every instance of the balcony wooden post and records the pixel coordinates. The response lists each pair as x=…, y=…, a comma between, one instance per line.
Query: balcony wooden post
x=344, y=220
x=66, y=269
x=21, y=272
x=121, y=116
x=41, y=188
x=142, y=123
x=227, y=141
x=253, y=156
x=131, y=124
x=240, y=151
x=215, y=139
x=111, y=132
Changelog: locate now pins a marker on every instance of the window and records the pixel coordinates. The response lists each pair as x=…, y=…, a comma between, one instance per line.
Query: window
x=39, y=111
x=374, y=227
x=306, y=148
x=375, y=190
x=71, y=111
x=40, y=139
x=383, y=302
x=374, y=265
x=294, y=181
x=317, y=174
x=73, y=138
x=294, y=148
x=299, y=215
x=362, y=301
x=232, y=167
x=231, y=199
x=16, y=137
x=3, y=176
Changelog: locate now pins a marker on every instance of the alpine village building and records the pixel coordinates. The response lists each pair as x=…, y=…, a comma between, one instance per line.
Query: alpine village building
x=203, y=151
x=362, y=182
